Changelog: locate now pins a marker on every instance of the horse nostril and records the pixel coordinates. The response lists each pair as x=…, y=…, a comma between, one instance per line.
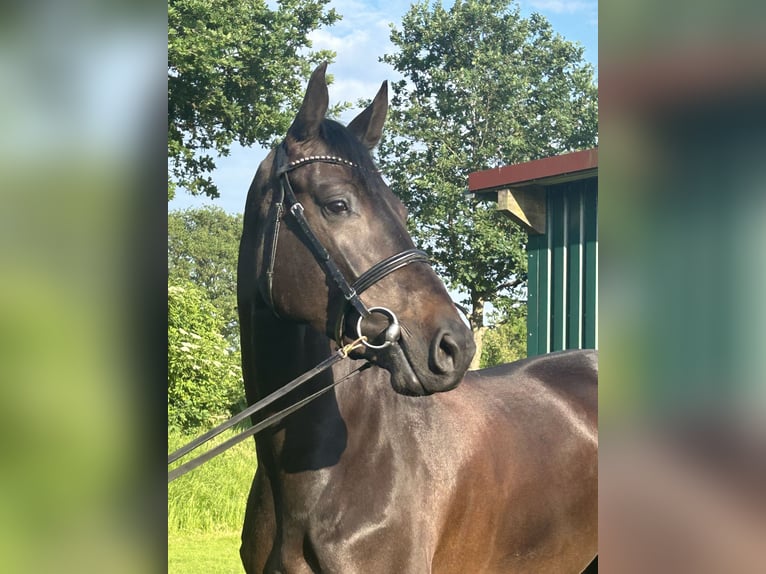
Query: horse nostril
x=444, y=354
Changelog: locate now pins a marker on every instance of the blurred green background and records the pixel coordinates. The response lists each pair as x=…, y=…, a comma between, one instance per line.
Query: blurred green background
x=80, y=390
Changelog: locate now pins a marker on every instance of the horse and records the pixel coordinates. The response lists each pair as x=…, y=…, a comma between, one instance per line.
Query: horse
x=413, y=464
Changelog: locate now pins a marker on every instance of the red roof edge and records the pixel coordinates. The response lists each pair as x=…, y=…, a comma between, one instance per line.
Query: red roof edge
x=533, y=170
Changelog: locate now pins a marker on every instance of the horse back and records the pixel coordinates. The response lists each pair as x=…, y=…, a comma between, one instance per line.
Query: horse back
x=533, y=445
x=571, y=376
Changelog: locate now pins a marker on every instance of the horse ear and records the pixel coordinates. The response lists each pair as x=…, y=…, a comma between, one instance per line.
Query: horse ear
x=314, y=107
x=368, y=126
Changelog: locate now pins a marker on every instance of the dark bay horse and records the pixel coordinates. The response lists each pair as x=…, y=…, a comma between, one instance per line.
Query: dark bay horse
x=386, y=473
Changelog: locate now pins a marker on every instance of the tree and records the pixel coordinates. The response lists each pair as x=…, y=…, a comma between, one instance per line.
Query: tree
x=203, y=246
x=235, y=69
x=506, y=340
x=204, y=375
x=482, y=87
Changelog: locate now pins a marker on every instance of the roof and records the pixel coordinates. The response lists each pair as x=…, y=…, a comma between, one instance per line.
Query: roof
x=547, y=171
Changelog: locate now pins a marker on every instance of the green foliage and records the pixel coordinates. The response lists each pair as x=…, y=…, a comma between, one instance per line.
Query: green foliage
x=235, y=69
x=204, y=375
x=483, y=87
x=203, y=245
x=506, y=341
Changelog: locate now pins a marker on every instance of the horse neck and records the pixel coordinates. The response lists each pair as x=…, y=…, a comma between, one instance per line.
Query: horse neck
x=315, y=435
x=281, y=351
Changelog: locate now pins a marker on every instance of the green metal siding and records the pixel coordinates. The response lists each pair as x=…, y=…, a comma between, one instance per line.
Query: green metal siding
x=563, y=271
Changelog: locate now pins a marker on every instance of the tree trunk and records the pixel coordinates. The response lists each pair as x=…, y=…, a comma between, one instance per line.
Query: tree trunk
x=478, y=338
x=477, y=327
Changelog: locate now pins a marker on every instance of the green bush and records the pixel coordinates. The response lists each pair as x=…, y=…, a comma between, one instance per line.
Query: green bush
x=203, y=246
x=204, y=373
x=506, y=341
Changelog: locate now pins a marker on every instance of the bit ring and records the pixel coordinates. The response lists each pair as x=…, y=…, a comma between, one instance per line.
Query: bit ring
x=393, y=331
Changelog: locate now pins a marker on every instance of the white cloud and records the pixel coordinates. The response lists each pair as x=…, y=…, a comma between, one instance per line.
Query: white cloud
x=324, y=39
x=359, y=41
x=562, y=6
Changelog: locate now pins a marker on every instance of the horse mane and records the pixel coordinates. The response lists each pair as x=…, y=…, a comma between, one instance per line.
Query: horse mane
x=343, y=143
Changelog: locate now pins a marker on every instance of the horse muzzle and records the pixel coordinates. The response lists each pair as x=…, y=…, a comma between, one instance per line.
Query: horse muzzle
x=418, y=365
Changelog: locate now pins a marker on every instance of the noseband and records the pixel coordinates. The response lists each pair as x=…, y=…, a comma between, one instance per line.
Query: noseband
x=285, y=199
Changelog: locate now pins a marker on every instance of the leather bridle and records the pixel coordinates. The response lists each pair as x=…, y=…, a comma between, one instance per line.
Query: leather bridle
x=286, y=196
x=285, y=201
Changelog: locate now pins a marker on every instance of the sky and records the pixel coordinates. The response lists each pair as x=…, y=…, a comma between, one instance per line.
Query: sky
x=359, y=40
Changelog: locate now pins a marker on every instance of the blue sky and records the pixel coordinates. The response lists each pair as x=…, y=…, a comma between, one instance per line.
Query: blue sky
x=359, y=40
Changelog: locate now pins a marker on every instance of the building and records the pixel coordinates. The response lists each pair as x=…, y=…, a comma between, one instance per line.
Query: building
x=556, y=201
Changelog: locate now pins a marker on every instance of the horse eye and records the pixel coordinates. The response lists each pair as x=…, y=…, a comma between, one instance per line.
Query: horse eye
x=337, y=206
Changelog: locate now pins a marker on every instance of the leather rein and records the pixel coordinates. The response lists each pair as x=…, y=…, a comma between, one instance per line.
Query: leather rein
x=286, y=197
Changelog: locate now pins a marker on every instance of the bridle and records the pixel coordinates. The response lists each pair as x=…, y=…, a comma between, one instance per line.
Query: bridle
x=285, y=201
x=286, y=196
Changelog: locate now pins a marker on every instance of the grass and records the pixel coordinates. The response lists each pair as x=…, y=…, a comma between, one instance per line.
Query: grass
x=205, y=553
x=206, y=508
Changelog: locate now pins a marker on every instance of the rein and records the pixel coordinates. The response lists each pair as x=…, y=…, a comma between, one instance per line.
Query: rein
x=259, y=406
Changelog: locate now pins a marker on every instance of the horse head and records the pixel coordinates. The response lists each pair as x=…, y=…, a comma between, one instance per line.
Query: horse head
x=355, y=271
